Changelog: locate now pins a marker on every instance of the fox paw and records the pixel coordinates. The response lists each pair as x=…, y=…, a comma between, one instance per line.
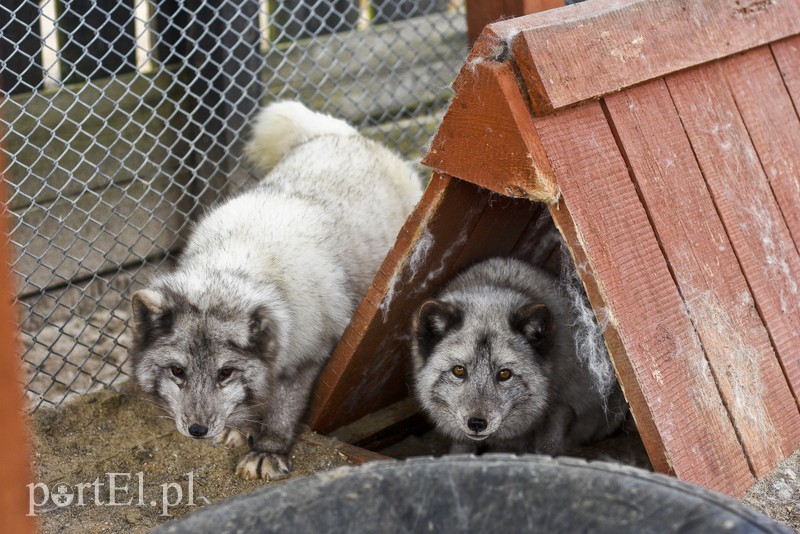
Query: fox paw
x=266, y=465
x=230, y=438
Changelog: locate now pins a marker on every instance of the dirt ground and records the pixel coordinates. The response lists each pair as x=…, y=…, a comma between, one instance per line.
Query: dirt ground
x=109, y=432
x=120, y=432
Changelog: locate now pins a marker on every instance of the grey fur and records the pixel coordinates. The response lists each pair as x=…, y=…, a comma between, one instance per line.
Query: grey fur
x=267, y=283
x=503, y=314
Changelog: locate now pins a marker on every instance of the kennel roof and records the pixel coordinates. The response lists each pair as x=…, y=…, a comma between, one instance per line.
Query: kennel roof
x=664, y=139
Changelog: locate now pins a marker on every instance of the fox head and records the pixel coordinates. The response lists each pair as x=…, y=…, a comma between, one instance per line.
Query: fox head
x=205, y=361
x=482, y=363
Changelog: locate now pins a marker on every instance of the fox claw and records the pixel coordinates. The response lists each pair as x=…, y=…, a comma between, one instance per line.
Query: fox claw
x=230, y=438
x=269, y=466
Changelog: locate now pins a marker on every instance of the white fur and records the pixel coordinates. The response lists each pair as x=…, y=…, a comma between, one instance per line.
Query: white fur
x=311, y=235
x=280, y=127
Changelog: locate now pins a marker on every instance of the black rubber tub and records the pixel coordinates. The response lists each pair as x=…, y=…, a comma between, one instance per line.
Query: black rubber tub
x=491, y=493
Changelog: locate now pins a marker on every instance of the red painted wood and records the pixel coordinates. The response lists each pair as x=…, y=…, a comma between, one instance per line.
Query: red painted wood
x=15, y=472
x=746, y=205
x=599, y=47
x=787, y=55
x=750, y=77
x=487, y=136
x=655, y=349
x=707, y=273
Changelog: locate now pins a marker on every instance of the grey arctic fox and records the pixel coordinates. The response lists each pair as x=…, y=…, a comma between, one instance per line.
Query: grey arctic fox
x=232, y=340
x=496, y=368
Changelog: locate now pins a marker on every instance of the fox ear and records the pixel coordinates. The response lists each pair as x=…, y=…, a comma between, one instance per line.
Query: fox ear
x=150, y=313
x=533, y=321
x=261, y=331
x=433, y=321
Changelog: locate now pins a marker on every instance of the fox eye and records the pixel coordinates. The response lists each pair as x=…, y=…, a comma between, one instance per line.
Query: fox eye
x=177, y=371
x=459, y=371
x=224, y=373
x=503, y=375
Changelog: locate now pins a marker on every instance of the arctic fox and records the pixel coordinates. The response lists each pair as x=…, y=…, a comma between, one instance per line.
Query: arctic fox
x=232, y=340
x=495, y=365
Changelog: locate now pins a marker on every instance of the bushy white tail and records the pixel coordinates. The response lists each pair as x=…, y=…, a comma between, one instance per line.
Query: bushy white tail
x=283, y=125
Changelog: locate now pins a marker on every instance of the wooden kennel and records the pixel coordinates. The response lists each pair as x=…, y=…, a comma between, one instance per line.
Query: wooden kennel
x=664, y=140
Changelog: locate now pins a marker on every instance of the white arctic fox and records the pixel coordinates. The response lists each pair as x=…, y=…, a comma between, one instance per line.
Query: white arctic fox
x=233, y=339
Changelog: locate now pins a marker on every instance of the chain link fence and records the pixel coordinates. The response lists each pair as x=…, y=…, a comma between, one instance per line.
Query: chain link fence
x=122, y=120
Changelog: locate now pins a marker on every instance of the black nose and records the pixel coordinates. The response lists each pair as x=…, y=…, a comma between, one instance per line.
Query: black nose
x=198, y=431
x=476, y=424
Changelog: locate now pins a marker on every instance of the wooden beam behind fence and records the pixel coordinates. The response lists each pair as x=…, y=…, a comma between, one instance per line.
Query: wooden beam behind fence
x=14, y=454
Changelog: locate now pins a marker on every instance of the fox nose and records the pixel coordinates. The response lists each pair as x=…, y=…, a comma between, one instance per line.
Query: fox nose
x=198, y=430
x=476, y=424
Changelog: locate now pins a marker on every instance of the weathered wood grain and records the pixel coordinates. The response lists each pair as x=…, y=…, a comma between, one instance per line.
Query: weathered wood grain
x=369, y=367
x=787, y=55
x=746, y=205
x=772, y=124
x=591, y=49
x=656, y=352
x=707, y=273
x=15, y=455
x=498, y=231
x=489, y=122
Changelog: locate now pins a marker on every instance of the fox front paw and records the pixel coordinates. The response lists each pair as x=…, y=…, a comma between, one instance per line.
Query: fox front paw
x=231, y=438
x=266, y=465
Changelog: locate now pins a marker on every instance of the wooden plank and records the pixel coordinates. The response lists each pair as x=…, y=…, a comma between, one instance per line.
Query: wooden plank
x=95, y=38
x=590, y=49
x=787, y=55
x=498, y=231
x=385, y=427
x=486, y=136
x=707, y=273
x=483, y=12
x=746, y=205
x=657, y=355
x=369, y=366
x=72, y=238
x=538, y=240
x=15, y=471
x=20, y=47
x=751, y=76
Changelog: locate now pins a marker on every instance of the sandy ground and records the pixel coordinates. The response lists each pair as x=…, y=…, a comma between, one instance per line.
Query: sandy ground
x=111, y=432
x=778, y=495
x=108, y=432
